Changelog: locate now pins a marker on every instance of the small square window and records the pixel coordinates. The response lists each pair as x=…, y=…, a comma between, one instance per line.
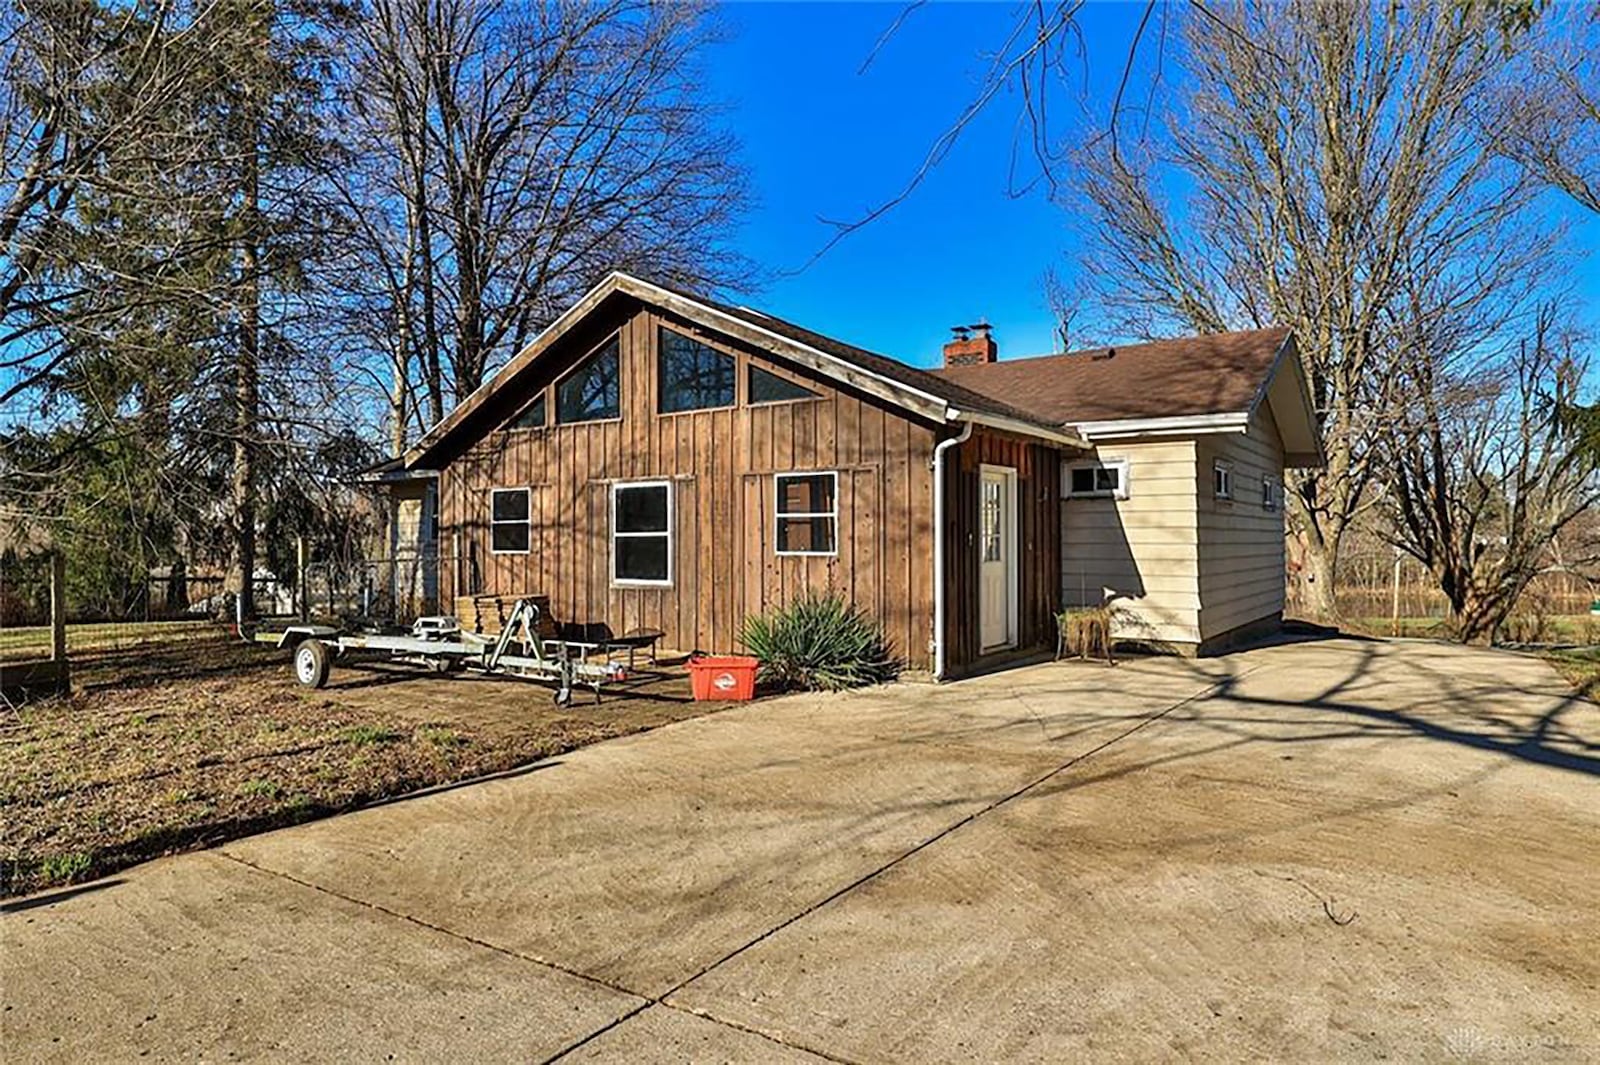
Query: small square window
x=1098, y=480
x=808, y=513
x=509, y=528
x=1271, y=493
x=1221, y=481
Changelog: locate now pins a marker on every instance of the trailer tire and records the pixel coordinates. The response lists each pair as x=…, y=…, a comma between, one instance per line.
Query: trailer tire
x=312, y=663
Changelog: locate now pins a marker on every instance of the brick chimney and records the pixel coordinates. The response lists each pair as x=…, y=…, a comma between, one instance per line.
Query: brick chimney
x=971, y=345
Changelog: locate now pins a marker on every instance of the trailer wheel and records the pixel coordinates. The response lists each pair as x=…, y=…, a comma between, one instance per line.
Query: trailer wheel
x=563, y=696
x=311, y=663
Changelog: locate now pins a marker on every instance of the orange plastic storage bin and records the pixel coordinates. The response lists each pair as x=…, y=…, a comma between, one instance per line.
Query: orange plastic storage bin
x=730, y=677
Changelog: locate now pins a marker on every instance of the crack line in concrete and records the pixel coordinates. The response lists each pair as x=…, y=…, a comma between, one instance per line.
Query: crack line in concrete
x=646, y=1001
x=586, y=977
x=661, y=999
x=963, y=822
x=873, y=874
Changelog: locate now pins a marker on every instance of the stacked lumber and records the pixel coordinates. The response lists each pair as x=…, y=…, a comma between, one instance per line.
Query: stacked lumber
x=486, y=614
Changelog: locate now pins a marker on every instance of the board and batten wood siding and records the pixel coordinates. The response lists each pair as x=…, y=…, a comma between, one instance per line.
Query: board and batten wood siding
x=1141, y=554
x=720, y=464
x=1241, y=543
x=1038, y=544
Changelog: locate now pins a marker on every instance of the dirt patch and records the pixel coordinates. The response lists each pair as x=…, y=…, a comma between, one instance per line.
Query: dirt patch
x=155, y=753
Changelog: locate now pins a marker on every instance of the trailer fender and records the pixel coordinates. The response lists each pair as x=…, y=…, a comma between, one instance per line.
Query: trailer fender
x=296, y=634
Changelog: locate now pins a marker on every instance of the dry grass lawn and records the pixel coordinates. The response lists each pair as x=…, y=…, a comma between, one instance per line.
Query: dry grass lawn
x=182, y=748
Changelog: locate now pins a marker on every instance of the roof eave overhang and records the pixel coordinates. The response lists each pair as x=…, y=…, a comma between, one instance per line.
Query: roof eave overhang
x=1063, y=436
x=395, y=476
x=1290, y=349
x=1175, y=425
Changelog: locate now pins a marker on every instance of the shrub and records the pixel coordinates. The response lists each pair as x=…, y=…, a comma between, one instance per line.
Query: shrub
x=819, y=643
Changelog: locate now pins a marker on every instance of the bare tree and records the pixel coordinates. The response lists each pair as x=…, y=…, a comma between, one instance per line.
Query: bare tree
x=1549, y=120
x=507, y=156
x=1486, y=475
x=1320, y=157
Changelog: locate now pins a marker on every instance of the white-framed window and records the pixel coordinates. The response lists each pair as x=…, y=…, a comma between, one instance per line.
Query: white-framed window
x=808, y=513
x=1097, y=480
x=510, y=510
x=641, y=533
x=1271, y=493
x=1221, y=480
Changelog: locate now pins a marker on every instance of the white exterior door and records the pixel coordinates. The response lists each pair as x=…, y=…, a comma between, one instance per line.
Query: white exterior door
x=997, y=498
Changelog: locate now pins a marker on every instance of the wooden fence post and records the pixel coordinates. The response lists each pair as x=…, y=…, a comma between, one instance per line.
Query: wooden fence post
x=58, y=616
x=1394, y=602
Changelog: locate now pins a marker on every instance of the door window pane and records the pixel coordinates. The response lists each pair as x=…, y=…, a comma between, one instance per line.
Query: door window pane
x=993, y=492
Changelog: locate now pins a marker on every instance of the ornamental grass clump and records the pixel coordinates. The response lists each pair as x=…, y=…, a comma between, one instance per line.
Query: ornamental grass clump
x=818, y=643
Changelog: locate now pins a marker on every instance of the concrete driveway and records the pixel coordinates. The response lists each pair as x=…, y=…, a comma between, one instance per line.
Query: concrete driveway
x=1317, y=850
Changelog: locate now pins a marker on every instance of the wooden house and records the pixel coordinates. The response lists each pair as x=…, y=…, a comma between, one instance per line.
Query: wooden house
x=656, y=460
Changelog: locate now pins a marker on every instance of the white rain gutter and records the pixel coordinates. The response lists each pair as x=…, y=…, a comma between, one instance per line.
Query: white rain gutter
x=938, y=545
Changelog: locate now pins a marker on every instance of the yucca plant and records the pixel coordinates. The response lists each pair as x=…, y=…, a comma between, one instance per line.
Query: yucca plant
x=819, y=642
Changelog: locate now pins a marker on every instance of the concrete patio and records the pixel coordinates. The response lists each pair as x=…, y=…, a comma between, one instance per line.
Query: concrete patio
x=1332, y=849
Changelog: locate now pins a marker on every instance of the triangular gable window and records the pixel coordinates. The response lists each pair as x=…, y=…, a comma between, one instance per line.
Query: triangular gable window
x=768, y=387
x=591, y=393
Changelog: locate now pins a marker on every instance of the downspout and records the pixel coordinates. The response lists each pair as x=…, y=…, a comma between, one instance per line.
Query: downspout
x=938, y=546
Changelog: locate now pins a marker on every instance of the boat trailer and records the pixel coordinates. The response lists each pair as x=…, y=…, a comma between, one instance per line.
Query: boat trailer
x=442, y=646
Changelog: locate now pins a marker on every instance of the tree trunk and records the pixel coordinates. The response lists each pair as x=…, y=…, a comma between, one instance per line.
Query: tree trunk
x=247, y=412
x=247, y=385
x=1317, y=581
x=1313, y=551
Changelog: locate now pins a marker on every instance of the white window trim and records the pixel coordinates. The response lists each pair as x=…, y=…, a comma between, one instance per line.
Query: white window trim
x=527, y=494
x=1121, y=465
x=672, y=539
x=1010, y=514
x=779, y=515
x=1226, y=469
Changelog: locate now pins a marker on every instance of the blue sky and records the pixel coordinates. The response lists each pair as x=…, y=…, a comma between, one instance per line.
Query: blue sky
x=824, y=140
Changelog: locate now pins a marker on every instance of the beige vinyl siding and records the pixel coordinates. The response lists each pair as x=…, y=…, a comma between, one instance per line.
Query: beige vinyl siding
x=1241, y=544
x=1140, y=554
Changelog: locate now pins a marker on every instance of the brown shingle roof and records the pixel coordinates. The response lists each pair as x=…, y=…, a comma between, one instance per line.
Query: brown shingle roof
x=1217, y=374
